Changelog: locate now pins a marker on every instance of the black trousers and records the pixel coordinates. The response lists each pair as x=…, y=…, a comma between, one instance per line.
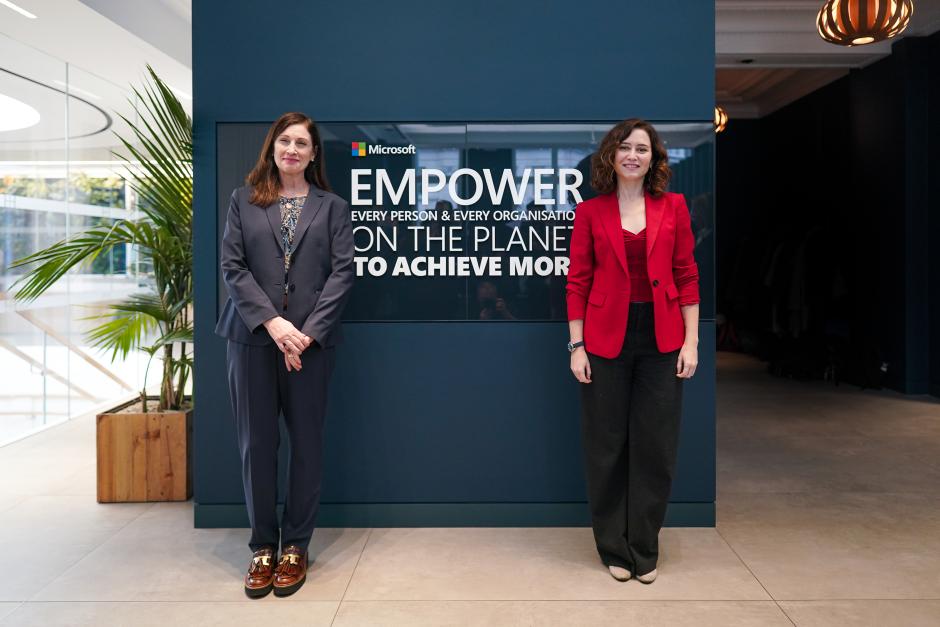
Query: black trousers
x=261, y=390
x=630, y=431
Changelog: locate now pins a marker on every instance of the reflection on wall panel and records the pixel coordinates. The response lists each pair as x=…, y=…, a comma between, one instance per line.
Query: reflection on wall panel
x=467, y=222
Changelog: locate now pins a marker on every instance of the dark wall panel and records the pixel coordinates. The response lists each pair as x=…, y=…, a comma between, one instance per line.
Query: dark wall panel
x=933, y=216
x=414, y=60
x=458, y=412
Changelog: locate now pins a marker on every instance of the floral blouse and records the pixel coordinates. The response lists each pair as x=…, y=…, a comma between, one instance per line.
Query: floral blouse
x=290, y=214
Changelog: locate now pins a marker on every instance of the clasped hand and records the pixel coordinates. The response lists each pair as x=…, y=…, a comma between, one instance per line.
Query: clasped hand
x=289, y=340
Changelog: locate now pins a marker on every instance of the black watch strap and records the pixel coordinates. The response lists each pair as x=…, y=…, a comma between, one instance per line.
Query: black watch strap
x=574, y=345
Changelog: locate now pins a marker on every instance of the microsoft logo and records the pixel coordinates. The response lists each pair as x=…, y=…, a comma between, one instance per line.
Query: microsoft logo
x=361, y=149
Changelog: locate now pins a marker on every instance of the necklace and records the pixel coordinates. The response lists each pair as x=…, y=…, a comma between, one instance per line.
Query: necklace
x=287, y=194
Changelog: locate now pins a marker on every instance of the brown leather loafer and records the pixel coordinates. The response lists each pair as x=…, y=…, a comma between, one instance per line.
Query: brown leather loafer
x=291, y=571
x=260, y=578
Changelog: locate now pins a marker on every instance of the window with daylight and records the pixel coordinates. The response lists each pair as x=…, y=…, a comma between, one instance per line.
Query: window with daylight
x=58, y=178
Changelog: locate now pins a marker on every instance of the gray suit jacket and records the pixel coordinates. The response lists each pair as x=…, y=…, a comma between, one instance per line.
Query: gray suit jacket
x=321, y=272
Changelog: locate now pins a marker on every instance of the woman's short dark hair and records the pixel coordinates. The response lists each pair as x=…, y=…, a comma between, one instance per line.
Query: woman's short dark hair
x=603, y=176
x=264, y=177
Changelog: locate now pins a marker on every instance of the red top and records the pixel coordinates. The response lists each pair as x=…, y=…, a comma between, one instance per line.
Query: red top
x=598, y=285
x=635, y=245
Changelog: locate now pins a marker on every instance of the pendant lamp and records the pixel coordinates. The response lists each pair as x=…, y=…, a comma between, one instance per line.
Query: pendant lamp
x=859, y=22
x=721, y=119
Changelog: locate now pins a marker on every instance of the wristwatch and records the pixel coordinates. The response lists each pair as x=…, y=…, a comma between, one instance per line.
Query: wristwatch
x=574, y=345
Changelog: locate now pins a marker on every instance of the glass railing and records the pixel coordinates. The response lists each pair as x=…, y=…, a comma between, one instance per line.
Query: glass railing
x=58, y=176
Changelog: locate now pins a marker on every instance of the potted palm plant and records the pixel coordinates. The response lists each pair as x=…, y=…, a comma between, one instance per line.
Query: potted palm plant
x=143, y=447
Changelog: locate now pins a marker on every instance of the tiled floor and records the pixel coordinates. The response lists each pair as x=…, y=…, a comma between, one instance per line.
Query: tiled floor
x=828, y=515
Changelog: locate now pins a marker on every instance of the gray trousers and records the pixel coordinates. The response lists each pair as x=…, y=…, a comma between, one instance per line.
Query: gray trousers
x=261, y=390
x=630, y=432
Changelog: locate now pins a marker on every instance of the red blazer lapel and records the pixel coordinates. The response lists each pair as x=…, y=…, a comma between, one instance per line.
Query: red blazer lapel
x=655, y=208
x=610, y=216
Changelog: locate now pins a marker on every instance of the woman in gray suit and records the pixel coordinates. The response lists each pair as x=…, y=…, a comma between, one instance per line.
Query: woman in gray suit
x=287, y=262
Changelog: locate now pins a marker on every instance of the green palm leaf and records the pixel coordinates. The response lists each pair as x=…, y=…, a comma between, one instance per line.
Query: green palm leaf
x=146, y=304
x=124, y=332
x=174, y=336
x=58, y=259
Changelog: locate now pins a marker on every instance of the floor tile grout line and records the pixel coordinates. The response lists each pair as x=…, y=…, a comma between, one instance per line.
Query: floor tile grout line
x=599, y=600
x=582, y=600
x=245, y=601
x=761, y=583
x=93, y=549
x=13, y=611
x=854, y=599
x=353, y=574
x=789, y=618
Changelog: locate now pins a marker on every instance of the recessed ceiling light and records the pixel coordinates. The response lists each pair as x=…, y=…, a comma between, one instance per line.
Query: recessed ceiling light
x=16, y=115
x=18, y=9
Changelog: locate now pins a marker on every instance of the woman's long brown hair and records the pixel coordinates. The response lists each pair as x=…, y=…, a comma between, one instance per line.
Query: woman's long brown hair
x=603, y=176
x=264, y=177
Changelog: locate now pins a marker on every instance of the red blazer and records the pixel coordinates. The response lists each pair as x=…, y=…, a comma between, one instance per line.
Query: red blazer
x=598, y=289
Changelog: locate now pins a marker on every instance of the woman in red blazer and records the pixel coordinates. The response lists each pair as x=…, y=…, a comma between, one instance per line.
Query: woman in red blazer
x=633, y=320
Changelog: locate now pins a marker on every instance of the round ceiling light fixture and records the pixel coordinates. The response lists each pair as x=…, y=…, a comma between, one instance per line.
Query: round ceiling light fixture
x=16, y=115
x=721, y=119
x=860, y=22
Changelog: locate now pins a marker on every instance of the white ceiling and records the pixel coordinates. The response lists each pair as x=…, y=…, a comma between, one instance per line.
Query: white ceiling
x=165, y=24
x=768, y=53
x=72, y=48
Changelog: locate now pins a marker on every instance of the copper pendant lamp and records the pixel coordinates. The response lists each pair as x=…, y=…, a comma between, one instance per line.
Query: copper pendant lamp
x=721, y=119
x=859, y=22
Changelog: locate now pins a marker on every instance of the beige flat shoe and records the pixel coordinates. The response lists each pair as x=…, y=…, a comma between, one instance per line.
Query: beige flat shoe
x=618, y=573
x=649, y=577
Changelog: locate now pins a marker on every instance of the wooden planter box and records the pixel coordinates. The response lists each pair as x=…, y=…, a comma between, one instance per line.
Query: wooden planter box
x=144, y=457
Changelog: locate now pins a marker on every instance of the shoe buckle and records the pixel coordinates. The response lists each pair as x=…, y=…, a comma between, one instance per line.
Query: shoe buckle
x=291, y=558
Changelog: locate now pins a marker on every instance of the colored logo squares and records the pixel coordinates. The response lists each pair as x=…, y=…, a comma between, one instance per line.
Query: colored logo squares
x=359, y=149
